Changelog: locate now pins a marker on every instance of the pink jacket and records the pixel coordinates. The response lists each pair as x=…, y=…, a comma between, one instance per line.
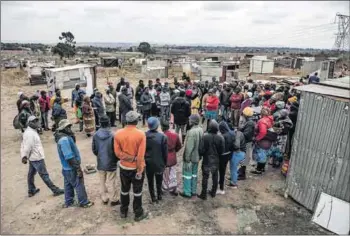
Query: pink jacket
x=44, y=104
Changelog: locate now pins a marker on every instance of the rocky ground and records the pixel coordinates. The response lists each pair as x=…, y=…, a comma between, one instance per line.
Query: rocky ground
x=256, y=207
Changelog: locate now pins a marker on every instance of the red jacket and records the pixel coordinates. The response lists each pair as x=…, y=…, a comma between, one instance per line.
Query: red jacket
x=236, y=100
x=267, y=104
x=174, y=145
x=262, y=126
x=44, y=104
x=212, y=103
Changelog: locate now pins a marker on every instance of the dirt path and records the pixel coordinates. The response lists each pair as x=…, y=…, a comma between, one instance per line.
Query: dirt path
x=257, y=207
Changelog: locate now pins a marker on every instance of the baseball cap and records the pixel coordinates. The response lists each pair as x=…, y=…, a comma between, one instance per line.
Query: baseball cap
x=63, y=124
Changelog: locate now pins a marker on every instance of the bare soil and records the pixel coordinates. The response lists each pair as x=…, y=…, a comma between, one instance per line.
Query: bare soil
x=256, y=207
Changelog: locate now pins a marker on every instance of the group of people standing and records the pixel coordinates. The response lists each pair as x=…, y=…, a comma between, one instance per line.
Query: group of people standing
x=245, y=122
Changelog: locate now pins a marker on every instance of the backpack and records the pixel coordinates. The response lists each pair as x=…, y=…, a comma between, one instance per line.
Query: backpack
x=16, y=123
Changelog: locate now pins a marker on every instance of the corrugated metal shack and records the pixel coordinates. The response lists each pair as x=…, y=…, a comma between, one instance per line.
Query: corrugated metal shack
x=320, y=160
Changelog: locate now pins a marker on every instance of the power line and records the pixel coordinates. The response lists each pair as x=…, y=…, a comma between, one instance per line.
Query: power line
x=308, y=34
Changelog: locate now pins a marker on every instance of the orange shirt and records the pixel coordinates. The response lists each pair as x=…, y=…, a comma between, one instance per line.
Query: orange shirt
x=130, y=148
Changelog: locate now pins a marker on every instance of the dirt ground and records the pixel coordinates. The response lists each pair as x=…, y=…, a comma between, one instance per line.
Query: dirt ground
x=256, y=207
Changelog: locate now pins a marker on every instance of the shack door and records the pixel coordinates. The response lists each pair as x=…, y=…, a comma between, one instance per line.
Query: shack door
x=223, y=77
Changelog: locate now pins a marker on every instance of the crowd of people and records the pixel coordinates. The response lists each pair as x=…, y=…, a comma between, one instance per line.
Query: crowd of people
x=240, y=123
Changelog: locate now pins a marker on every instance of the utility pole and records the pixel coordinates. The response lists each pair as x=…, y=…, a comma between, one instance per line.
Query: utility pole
x=342, y=40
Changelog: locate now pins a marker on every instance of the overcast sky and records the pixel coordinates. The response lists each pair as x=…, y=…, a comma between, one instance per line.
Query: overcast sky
x=278, y=23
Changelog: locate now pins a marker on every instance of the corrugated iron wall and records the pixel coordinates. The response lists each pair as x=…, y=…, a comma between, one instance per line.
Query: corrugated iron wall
x=320, y=160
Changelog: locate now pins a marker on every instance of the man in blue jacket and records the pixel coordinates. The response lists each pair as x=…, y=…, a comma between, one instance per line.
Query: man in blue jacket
x=71, y=170
x=314, y=79
x=103, y=148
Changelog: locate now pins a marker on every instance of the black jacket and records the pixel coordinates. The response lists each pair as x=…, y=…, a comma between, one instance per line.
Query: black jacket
x=124, y=103
x=119, y=86
x=248, y=130
x=139, y=92
x=212, y=146
x=225, y=98
x=239, y=144
x=229, y=136
x=156, y=151
x=181, y=110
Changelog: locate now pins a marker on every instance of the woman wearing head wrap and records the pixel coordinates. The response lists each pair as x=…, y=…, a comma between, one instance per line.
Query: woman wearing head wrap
x=247, y=102
x=270, y=103
x=282, y=126
x=174, y=145
x=88, y=116
x=264, y=139
x=280, y=105
x=24, y=114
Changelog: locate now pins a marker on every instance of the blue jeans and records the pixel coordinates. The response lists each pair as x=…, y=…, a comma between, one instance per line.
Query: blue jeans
x=45, y=119
x=40, y=168
x=71, y=182
x=237, y=158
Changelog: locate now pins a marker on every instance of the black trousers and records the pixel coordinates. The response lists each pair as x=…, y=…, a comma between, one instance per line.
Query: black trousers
x=222, y=169
x=112, y=117
x=154, y=110
x=128, y=177
x=145, y=116
x=206, y=171
x=159, y=180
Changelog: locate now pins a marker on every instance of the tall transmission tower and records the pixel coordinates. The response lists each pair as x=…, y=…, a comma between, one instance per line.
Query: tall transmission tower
x=342, y=41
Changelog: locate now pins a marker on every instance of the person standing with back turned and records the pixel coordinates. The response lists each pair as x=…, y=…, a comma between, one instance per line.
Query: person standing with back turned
x=130, y=147
x=155, y=157
x=211, y=148
x=191, y=158
x=103, y=148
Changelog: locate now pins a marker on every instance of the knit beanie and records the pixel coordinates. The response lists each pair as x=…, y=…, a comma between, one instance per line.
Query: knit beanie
x=153, y=123
x=194, y=119
x=280, y=104
x=165, y=125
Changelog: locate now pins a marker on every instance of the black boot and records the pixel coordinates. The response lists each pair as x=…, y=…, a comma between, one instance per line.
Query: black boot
x=241, y=175
x=202, y=196
x=263, y=167
x=260, y=167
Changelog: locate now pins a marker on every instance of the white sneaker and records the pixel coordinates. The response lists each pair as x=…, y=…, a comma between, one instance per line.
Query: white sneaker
x=220, y=192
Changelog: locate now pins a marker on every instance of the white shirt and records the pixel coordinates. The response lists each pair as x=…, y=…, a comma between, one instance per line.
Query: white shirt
x=31, y=146
x=153, y=93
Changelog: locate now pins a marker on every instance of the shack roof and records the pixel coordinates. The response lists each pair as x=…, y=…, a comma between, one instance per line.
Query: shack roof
x=343, y=82
x=109, y=58
x=325, y=90
x=69, y=67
